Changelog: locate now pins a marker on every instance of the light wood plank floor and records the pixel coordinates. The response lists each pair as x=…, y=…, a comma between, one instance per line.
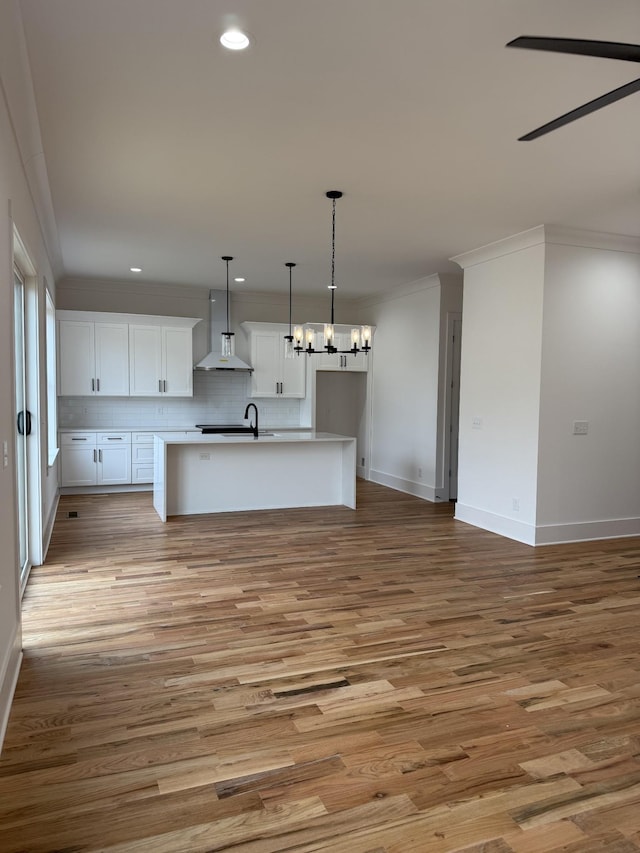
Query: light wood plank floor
x=380, y=681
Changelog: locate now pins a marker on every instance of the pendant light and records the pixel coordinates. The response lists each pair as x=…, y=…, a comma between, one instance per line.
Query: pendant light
x=228, y=347
x=360, y=338
x=290, y=351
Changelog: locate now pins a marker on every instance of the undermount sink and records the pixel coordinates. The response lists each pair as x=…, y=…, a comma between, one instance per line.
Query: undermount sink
x=245, y=436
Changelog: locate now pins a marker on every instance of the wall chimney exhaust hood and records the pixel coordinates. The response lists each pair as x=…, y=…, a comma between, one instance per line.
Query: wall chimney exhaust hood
x=215, y=360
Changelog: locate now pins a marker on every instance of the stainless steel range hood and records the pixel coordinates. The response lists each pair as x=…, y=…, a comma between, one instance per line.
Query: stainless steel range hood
x=217, y=325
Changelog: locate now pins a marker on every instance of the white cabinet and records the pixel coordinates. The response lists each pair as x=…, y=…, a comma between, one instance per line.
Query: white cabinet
x=342, y=361
x=142, y=457
x=93, y=358
x=78, y=458
x=273, y=374
x=161, y=361
x=139, y=355
x=92, y=459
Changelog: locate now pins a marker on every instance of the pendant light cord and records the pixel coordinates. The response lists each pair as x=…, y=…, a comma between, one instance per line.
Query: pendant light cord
x=333, y=257
x=227, y=263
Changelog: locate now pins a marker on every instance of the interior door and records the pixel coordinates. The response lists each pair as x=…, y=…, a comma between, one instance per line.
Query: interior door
x=22, y=427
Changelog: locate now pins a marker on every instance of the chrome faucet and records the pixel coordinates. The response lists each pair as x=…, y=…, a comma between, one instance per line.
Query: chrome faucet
x=253, y=427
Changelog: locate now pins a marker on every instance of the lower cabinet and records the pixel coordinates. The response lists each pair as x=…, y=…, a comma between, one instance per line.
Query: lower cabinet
x=95, y=459
x=107, y=458
x=142, y=457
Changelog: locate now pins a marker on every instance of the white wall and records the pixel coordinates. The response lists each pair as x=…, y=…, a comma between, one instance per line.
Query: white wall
x=551, y=335
x=500, y=388
x=589, y=485
x=21, y=173
x=406, y=434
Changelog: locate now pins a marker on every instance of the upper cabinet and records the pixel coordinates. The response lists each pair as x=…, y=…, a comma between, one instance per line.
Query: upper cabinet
x=273, y=374
x=160, y=361
x=358, y=363
x=124, y=355
x=93, y=358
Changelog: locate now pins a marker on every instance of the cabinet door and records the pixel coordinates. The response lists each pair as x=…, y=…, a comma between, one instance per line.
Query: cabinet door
x=294, y=374
x=78, y=466
x=177, y=352
x=356, y=363
x=114, y=465
x=266, y=356
x=145, y=361
x=112, y=359
x=76, y=358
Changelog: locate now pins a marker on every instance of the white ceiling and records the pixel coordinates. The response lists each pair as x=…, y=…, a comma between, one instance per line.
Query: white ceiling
x=165, y=151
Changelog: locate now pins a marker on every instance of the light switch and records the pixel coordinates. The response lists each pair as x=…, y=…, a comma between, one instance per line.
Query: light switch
x=476, y=422
x=580, y=427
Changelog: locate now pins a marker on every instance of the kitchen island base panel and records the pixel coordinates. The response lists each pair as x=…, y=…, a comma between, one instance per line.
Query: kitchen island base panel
x=234, y=477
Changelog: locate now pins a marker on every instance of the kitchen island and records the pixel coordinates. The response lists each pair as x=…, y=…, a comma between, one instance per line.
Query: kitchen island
x=195, y=473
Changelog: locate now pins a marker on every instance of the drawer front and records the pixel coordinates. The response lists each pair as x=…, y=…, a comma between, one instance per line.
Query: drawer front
x=142, y=453
x=142, y=438
x=77, y=439
x=142, y=472
x=114, y=438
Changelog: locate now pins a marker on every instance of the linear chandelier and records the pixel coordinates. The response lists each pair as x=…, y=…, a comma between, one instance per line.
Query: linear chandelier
x=360, y=338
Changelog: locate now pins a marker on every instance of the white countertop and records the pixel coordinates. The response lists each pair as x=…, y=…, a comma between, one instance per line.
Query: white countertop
x=162, y=429
x=179, y=437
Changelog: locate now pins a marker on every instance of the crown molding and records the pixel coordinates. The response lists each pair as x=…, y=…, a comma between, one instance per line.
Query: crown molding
x=558, y=235
x=419, y=285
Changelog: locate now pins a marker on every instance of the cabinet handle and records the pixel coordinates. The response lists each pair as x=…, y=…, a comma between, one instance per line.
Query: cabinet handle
x=160, y=385
x=78, y=439
x=164, y=385
x=95, y=458
x=114, y=438
x=97, y=385
x=93, y=384
x=99, y=456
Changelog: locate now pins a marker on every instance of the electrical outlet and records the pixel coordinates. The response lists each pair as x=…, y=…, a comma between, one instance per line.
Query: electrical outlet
x=160, y=410
x=515, y=504
x=205, y=456
x=419, y=473
x=580, y=427
x=476, y=422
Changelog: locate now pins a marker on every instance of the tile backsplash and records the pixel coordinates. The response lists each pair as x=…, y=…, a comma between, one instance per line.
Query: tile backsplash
x=217, y=398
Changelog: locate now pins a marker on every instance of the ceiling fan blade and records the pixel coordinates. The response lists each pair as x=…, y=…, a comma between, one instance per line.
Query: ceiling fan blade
x=582, y=47
x=585, y=109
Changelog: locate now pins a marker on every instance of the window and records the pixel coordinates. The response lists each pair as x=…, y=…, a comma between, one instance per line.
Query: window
x=52, y=399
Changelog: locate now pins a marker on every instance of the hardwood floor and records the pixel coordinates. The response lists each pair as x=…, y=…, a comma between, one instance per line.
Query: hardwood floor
x=380, y=681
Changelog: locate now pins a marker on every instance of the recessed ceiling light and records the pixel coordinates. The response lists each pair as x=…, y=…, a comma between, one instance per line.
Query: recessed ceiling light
x=135, y=269
x=234, y=40
x=239, y=279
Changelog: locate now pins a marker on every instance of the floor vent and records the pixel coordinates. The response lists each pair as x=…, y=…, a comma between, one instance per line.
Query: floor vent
x=72, y=514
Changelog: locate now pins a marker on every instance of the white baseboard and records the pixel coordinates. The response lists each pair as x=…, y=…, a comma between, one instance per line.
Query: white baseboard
x=409, y=487
x=587, y=531
x=548, y=534
x=48, y=528
x=518, y=530
x=8, y=681
x=106, y=490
